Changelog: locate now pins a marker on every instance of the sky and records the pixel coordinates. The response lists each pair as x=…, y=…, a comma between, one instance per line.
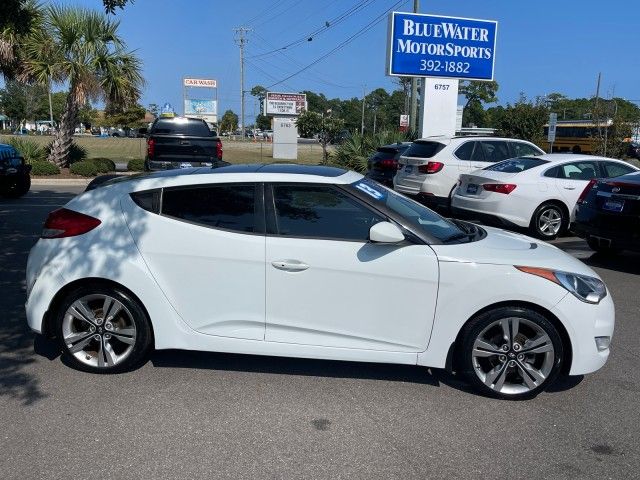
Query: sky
x=542, y=46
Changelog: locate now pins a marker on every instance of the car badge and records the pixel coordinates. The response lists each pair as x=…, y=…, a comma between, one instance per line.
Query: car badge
x=615, y=189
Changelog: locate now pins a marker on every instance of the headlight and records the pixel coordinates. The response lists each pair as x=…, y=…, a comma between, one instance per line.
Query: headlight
x=584, y=288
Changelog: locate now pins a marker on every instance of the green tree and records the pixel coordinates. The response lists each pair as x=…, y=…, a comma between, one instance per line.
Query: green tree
x=22, y=102
x=260, y=93
x=477, y=94
x=81, y=48
x=524, y=119
x=263, y=122
x=229, y=122
x=129, y=117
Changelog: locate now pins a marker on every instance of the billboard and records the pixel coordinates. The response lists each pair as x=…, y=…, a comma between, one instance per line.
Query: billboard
x=194, y=106
x=199, y=82
x=435, y=46
x=285, y=103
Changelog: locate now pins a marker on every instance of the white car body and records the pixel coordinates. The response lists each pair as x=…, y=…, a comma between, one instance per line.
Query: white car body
x=479, y=152
x=215, y=290
x=533, y=187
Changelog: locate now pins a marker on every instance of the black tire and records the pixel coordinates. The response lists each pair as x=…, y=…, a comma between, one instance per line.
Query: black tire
x=475, y=328
x=542, y=212
x=143, y=333
x=602, y=248
x=20, y=188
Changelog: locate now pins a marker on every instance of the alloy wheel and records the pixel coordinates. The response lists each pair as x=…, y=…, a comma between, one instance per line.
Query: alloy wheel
x=99, y=331
x=550, y=221
x=513, y=356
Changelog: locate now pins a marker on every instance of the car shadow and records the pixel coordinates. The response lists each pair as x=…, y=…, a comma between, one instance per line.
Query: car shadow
x=292, y=366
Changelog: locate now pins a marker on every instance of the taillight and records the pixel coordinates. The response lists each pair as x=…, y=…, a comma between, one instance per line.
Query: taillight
x=67, y=223
x=151, y=147
x=219, y=150
x=586, y=190
x=431, y=167
x=388, y=163
x=505, y=188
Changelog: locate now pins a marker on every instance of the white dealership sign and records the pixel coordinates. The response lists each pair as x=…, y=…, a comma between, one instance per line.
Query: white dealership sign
x=200, y=82
x=277, y=103
x=281, y=107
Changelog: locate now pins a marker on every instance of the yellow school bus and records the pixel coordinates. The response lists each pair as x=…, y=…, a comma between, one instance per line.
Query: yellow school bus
x=577, y=136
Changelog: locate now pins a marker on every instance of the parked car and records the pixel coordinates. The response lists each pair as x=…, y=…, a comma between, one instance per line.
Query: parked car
x=538, y=193
x=383, y=164
x=181, y=142
x=607, y=214
x=312, y=262
x=430, y=168
x=15, y=178
x=634, y=150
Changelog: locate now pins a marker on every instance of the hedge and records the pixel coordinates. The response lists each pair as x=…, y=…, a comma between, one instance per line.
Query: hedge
x=105, y=165
x=86, y=168
x=136, y=165
x=42, y=167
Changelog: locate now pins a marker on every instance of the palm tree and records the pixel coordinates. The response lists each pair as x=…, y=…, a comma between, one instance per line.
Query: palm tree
x=82, y=49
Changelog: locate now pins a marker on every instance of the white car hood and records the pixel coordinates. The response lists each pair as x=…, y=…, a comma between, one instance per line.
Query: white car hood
x=500, y=247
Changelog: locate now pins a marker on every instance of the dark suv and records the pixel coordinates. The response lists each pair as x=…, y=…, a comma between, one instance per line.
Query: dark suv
x=14, y=173
x=181, y=142
x=383, y=164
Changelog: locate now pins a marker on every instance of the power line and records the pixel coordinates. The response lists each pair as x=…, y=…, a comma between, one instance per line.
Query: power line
x=262, y=12
x=363, y=30
x=328, y=24
x=275, y=14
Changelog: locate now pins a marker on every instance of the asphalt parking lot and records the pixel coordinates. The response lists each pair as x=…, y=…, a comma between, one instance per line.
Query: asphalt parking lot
x=197, y=415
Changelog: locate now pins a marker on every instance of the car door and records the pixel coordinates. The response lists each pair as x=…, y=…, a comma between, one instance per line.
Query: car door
x=205, y=249
x=328, y=286
x=470, y=154
x=572, y=178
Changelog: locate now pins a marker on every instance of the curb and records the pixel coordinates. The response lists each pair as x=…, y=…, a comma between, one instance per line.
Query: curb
x=60, y=181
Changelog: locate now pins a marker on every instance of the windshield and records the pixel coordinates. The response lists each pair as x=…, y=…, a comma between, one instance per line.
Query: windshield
x=417, y=215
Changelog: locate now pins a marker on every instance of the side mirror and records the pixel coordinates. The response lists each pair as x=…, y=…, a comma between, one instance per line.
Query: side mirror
x=385, y=232
x=142, y=131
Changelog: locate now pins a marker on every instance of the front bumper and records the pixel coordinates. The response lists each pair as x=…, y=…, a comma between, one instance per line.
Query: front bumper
x=584, y=323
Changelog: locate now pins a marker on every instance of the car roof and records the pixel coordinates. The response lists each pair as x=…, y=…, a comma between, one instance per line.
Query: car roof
x=395, y=146
x=574, y=157
x=445, y=138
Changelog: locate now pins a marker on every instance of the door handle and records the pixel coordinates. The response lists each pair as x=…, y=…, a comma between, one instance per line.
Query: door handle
x=290, y=265
x=185, y=142
x=569, y=188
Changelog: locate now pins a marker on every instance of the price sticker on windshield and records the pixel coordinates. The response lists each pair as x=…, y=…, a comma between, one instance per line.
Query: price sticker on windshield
x=371, y=191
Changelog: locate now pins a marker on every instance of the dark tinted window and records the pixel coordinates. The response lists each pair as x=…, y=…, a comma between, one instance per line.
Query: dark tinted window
x=578, y=171
x=612, y=169
x=149, y=200
x=182, y=126
x=521, y=149
x=423, y=149
x=321, y=211
x=516, y=165
x=495, y=151
x=552, y=172
x=470, y=151
x=231, y=207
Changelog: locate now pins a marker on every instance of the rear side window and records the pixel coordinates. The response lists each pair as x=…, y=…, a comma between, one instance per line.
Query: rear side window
x=228, y=206
x=577, y=171
x=321, y=211
x=423, y=149
x=495, y=151
x=521, y=149
x=612, y=169
x=148, y=200
x=182, y=126
x=470, y=151
x=516, y=165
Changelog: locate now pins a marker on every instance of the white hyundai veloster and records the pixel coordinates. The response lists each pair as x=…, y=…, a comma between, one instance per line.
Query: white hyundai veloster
x=313, y=262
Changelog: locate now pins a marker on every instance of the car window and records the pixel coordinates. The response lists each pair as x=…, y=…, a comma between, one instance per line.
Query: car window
x=578, y=171
x=495, y=151
x=182, y=126
x=321, y=211
x=516, y=165
x=424, y=149
x=552, y=172
x=521, y=149
x=228, y=206
x=470, y=151
x=613, y=169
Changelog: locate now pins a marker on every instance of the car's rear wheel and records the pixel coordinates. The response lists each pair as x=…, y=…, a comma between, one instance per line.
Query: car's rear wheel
x=548, y=221
x=511, y=352
x=101, y=329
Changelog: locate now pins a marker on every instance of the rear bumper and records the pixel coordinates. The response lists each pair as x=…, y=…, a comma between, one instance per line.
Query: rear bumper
x=618, y=239
x=485, y=218
x=491, y=211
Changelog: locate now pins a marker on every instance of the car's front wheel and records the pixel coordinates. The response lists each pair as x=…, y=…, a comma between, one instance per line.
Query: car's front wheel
x=511, y=352
x=101, y=329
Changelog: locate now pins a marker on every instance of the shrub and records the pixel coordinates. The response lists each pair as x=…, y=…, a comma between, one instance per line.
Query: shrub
x=42, y=167
x=136, y=165
x=105, y=164
x=85, y=168
x=30, y=150
x=76, y=153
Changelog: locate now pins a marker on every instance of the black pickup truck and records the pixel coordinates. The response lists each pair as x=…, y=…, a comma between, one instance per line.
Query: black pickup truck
x=180, y=142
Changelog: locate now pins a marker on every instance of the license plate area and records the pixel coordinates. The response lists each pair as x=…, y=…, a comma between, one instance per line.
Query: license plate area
x=611, y=205
x=472, y=189
x=408, y=169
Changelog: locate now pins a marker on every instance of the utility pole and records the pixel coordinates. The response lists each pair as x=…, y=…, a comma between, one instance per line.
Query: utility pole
x=413, y=114
x=241, y=40
x=595, y=108
x=364, y=98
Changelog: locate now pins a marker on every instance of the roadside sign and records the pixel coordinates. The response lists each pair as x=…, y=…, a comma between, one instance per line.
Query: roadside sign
x=422, y=45
x=404, y=120
x=553, y=120
x=200, y=82
x=285, y=103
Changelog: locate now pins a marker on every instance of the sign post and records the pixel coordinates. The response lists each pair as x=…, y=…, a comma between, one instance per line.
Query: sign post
x=285, y=108
x=551, y=134
x=441, y=50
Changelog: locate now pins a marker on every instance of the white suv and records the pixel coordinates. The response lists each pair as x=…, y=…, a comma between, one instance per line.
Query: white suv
x=430, y=167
